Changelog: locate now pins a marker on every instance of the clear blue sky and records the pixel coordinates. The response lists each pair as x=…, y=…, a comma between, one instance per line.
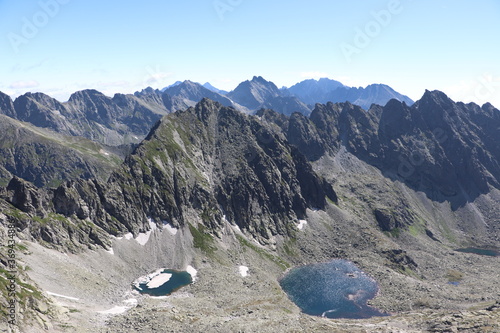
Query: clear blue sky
x=124, y=46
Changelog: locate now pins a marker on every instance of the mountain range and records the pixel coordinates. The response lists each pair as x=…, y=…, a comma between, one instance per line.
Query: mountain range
x=125, y=119
x=258, y=177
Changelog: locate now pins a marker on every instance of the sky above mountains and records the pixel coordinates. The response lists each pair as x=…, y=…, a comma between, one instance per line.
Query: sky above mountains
x=60, y=46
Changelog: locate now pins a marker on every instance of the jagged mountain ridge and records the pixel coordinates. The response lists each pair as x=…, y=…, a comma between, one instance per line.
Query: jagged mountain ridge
x=115, y=121
x=208, y=164
x=447, y=150
x=46, y=158
x=326, y=90
x=127, y=118
x=373, y=94
x=234, y=166
x=214, y=161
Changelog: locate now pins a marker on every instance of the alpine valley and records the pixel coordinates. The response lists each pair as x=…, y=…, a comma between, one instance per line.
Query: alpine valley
x=237, y=188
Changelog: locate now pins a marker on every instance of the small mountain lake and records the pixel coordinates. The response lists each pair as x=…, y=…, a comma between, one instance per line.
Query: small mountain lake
x=337, y=289
x=482, y=252
x=163, y=282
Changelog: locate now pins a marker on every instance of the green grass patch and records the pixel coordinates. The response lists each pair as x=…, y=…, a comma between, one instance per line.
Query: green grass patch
x=16, y=213
x=202, y=239
x=417, y=228
x=394, y=233
x=51, y=218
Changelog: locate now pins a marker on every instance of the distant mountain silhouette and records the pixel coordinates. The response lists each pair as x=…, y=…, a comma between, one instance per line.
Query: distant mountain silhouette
x=259, y=93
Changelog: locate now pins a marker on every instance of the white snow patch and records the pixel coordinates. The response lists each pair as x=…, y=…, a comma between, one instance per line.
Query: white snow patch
x=143, y=237
x=170, y=229
x=62, y=296
x=243, y=271
x=111, y=251
x=191, y=270
x=302, y=224
x=159, y=280
x=128, y=236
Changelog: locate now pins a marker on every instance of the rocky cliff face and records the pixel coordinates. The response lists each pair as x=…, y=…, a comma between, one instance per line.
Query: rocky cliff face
x=437, y=146
x=207, y=163
x=218, y=162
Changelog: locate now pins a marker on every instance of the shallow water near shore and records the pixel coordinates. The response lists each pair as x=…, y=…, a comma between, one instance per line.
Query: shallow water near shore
x=337, y=289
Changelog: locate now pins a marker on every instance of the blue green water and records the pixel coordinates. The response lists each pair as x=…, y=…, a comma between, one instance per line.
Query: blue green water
x=483, y=252
x=337, y=289
x=178, y=280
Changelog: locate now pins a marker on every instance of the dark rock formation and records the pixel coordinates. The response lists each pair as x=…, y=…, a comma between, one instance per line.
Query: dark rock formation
x=447, y=150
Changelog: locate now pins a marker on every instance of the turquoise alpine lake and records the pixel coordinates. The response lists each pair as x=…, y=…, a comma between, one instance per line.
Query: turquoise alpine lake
x=337, y=289
x=483, y=252
x=163, y=283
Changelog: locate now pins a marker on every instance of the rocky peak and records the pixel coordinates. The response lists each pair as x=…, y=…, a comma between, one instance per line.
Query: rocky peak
x=259, y=93
x=236, y=166
x=433, y=102
x=207, y=109
x=314, y=91
x=253, y=94
x=396, y=118
x=189, y=93
x=6, y=105
x=95, y=106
